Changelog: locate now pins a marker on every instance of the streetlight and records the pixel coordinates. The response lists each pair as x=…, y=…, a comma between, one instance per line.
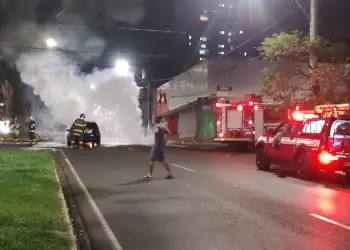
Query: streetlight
x=122, y=67
x=92, y=86
x=51, y=43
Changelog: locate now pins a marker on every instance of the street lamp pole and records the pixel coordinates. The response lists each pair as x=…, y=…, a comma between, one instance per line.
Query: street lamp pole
x=314, y=19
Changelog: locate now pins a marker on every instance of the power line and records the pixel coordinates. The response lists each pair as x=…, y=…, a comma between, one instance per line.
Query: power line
x=83, y=51
x=130, y=29
x=302, y=8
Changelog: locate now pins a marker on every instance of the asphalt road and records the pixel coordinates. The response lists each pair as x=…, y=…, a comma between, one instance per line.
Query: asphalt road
x=218, y=200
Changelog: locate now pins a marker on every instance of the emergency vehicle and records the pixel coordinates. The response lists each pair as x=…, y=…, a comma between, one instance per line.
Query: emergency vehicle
x=309, y=142
x=241, y=123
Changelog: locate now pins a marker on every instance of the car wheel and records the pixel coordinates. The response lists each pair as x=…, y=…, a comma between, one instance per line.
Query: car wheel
x=262, y=160
x=305, y=170
x=98, y=141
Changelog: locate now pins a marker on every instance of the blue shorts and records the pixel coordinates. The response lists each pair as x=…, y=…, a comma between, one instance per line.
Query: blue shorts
x=157, y=154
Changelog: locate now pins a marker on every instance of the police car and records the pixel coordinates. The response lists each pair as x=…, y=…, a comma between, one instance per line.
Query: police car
x=309, y=142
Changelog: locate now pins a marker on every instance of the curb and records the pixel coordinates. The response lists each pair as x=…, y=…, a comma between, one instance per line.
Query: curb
x=81, y=237
x=65, y=210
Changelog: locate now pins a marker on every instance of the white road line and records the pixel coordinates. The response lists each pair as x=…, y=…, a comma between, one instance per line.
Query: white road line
x=330, y=221
x=107, y=230
x=179, y=166
x=178, y=146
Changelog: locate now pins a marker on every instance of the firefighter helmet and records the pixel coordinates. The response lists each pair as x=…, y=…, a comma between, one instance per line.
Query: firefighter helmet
x=82, y=116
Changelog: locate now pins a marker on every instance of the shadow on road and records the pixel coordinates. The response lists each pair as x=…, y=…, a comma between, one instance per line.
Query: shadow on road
x=334, y=181
x=135, y=182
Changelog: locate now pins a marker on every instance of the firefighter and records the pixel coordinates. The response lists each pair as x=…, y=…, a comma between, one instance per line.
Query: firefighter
x=31, y=127
x=14, y=129
x=78, y=128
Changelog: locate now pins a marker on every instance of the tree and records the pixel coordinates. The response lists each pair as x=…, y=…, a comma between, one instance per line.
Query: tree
x=292, y=77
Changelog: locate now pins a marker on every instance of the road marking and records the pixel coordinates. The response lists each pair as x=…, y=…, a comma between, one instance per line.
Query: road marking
x=106, y=228
x=179, y=166
x=330, y=221
x=178, y=146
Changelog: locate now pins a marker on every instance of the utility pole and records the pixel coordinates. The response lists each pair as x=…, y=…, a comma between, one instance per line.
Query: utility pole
x=314, y=21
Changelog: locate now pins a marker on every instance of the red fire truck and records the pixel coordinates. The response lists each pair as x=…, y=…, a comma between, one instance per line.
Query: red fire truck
x=240, y=123
x=309, y=142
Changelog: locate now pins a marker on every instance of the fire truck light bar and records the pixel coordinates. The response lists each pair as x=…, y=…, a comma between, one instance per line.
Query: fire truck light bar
x=332, y=108
x=301, y=116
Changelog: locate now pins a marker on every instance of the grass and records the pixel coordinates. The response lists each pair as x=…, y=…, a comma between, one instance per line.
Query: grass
x=31, y=215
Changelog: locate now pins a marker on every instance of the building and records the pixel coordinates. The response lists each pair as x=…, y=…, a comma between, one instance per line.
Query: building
x=213, y=30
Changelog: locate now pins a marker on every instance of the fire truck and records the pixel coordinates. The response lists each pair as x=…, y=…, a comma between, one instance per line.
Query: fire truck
x=239, y=124
x=309, y=142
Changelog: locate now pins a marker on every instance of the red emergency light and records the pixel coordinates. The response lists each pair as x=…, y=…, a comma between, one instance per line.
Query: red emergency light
x=326, y=158
x=256, y=107
x=250, y=122
x=251, y=103
x=218, y=105
x=335, y=109
x=301, y=116
x=240, y=107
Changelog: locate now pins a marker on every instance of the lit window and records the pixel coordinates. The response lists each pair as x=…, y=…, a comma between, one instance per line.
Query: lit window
x=221, y=5
x=222, y=32
x=230, y=5
x=230, y=34
x=221, y=46
x=245, y=53
x=229, y=40
x=201, y=58
x=190, y=37
x=204, y=18
x=221, y=53
x=241, y=32
x=202, y=52
x=190, y=43
x=204, y=46
x=204, y=39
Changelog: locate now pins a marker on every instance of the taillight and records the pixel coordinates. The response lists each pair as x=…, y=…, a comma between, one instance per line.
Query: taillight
x=326, y=158
x=218, y=105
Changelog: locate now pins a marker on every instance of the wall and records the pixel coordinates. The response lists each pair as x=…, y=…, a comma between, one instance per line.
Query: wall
x=187, y=87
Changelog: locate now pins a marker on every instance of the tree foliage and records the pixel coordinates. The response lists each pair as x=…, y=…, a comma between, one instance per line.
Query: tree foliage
x=304, y=70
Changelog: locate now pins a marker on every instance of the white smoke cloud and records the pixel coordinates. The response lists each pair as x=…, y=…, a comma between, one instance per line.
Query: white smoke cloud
x=112, y=102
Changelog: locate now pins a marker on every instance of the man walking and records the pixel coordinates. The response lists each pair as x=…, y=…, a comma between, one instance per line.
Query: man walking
x=157, y=152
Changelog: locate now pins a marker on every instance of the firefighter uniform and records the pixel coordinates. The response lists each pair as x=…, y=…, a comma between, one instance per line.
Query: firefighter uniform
x=14, y=128
x=78, y=127
x=31, y=127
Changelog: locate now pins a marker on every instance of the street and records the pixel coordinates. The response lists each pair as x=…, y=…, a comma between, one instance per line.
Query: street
x=218, y=200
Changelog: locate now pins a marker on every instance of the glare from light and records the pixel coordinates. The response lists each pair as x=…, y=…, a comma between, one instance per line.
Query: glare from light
x=2, y=104
x=92, y=86
x=122, y=67
x=51, y=43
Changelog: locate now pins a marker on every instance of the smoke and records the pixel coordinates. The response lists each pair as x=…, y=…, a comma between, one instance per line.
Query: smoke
x=109, y=100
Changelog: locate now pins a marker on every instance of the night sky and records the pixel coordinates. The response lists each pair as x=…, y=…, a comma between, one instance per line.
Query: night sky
x=102, y=18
